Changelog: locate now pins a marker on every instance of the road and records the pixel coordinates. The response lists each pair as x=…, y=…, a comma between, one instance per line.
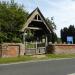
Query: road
x=54, y=67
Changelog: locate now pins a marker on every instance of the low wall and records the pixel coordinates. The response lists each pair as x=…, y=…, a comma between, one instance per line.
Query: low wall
x=66, y=49
x=61, y=48
x=17, y=49
x=11, y=49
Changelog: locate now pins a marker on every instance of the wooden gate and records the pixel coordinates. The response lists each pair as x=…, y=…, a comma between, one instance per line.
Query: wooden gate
x=34, y=48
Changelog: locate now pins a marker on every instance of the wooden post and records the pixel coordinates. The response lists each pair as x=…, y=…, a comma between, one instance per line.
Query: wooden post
x=36, y=48
x=46, y=42
x=24, y=41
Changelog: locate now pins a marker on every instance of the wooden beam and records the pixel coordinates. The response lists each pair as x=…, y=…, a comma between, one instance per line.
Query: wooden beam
x=37, y=20
x=33, y=28
x=24, y=42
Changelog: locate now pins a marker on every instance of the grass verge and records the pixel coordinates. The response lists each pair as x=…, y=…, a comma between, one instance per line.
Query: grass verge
x=50, y=56
x=15, y=59
x=36, y=57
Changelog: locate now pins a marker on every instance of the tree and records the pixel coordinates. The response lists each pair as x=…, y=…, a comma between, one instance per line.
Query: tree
x=12, y=18
x=70, y=31
x=51, y=24
x=64, y=33
x=52, y=37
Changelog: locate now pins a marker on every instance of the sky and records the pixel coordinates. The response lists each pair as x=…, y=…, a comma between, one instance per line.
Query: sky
x=63, y=11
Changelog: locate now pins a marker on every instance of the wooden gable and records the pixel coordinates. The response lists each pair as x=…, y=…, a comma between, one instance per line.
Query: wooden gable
x=36, y=15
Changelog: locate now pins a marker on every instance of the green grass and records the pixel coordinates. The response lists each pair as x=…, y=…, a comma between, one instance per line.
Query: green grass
x=15, y=59
x=60, y=56
x=28, y=58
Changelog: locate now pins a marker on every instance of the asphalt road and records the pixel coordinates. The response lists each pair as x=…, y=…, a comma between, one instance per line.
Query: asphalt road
x=54, y=67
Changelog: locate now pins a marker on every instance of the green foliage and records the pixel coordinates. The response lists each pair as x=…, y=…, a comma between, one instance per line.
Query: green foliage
x=59, y=40
x=51, y=24
x=3, y=37
x=52, y=37
x=12, y=18
x=30, y=45
x=30, y=36
x=16, y=40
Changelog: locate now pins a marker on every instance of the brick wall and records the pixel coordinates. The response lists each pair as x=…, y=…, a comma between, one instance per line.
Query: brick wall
x=16, y=49
x=61, y=48
x=66, y=49
x=11, y=49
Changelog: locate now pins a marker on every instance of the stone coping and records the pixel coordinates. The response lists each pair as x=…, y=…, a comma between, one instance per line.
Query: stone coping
x=11, y=43
x=63, y=44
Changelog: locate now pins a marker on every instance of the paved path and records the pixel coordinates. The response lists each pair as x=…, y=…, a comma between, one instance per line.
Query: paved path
x=54, y=67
